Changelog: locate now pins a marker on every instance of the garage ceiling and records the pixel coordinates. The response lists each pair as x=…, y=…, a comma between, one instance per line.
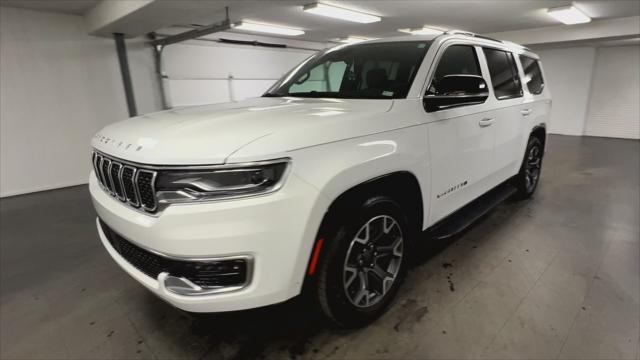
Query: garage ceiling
x=477, y=16
x=73, y=7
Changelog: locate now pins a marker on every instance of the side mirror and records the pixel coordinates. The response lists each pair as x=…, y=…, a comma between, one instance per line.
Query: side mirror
x=456, y=90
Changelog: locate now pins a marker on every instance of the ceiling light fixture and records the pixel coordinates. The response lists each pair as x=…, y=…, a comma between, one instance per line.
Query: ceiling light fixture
x=426, y=30
x=354, y=39
x=341, y=13
x=266, y=28
x=568, y=15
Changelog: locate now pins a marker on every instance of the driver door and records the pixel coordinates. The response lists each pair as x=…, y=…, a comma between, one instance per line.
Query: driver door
x=461, y=138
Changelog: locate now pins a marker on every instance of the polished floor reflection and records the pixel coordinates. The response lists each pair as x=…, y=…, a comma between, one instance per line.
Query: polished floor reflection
x=554, y=277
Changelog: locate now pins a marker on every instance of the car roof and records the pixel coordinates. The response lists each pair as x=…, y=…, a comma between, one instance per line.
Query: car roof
x=455, y=34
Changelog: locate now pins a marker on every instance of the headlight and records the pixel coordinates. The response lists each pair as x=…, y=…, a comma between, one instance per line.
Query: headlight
x=176, y=186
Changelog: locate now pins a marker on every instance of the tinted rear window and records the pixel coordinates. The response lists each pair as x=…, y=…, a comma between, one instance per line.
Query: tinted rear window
x=532, y=74
x=504, y=74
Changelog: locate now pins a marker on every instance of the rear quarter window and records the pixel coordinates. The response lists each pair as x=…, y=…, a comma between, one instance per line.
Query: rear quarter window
x=532, y=74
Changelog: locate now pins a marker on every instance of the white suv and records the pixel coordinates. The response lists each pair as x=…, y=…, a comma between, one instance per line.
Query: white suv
x=325, y=183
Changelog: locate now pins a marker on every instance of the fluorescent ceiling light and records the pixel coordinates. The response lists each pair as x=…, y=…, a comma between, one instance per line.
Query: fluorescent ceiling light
x=422, y=31
x=568, y=15
x=354, y=39
x=266, y=28
x=340, y=13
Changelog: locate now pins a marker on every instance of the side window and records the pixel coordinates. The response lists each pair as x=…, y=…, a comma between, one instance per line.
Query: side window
x=504, y=74
x=532, y=74
x=456, y=60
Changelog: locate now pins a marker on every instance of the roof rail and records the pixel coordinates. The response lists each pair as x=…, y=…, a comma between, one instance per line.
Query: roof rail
x=488, y=38
x=469, y=33
x=460, y=32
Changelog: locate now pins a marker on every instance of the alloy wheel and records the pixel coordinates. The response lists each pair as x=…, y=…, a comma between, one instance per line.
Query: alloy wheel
x=532, y=167
x=373, y=261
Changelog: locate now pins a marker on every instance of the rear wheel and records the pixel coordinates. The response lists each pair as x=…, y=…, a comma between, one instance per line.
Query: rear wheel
x=364, y=263
x=526, y=181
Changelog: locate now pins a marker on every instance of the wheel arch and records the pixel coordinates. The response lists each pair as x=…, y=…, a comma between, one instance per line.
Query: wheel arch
x=540, y=131
x=403, y=186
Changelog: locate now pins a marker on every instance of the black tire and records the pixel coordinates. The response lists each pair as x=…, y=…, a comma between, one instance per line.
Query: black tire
x=336, y=299
x=527, y=179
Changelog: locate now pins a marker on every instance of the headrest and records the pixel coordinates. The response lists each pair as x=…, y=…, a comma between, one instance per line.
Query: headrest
x=377, y=79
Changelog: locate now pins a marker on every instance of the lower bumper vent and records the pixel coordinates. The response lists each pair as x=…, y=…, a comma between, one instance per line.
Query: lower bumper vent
x=207, y=274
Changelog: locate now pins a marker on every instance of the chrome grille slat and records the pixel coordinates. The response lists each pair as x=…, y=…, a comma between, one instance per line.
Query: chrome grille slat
x=127, y=183
x=99, y=169
x=115, y=175
x=104, y=168
x=94, y=160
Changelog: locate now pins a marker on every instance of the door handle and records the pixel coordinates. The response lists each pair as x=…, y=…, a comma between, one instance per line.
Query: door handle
x=526, y=112
x=485, y=122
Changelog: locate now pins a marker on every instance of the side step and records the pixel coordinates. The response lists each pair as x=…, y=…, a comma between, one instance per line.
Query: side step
x=463, y=218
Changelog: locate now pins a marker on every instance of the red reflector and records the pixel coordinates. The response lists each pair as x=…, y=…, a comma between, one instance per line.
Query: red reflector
x=315, y=256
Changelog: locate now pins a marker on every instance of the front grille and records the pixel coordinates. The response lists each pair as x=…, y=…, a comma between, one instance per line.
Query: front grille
x=207, y=274
x=126, y=182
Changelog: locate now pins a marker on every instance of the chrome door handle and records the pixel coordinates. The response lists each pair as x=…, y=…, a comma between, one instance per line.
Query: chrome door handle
x=526, y=112
x=485, y=122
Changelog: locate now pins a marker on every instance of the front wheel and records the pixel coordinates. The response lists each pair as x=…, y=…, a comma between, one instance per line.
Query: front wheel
x=526, y=181
x=364, y=263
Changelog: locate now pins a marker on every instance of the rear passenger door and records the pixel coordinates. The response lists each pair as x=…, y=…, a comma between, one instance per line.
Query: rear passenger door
x=536, y=94
x=510, y=112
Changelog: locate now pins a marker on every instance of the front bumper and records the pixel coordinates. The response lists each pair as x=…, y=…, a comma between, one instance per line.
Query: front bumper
x=276, y=232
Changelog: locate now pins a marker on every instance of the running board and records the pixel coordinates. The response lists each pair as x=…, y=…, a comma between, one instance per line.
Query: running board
x=463, y=218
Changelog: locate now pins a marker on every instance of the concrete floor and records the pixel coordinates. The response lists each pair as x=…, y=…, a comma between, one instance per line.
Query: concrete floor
x=554, y=277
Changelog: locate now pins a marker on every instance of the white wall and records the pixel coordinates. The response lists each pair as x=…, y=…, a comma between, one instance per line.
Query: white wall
x=614, y=106
x=58, y=86
x=568, y=74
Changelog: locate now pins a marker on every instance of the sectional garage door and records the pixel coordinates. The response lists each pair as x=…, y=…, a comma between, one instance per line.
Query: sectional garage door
x=615, y=92
x=202, y=73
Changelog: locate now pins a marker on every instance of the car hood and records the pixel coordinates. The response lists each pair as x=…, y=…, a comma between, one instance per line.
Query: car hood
x=210, y=134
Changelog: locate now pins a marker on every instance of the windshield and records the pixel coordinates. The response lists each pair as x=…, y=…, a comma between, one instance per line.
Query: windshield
x=364, y=71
